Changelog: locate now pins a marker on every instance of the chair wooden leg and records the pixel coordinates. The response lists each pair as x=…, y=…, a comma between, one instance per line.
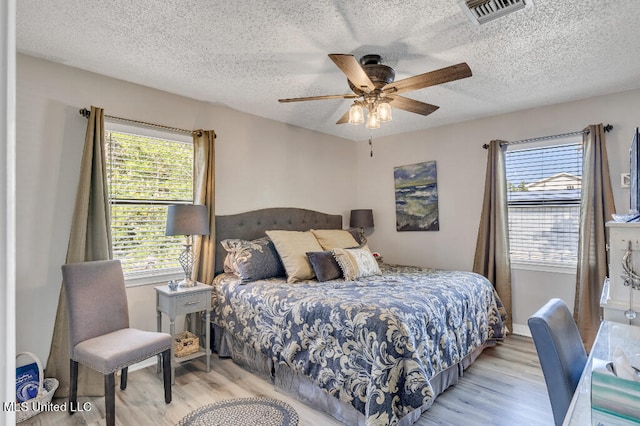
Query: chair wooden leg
x=73, y=386
x=166, y=374
x=123, y=378
x=110, y=398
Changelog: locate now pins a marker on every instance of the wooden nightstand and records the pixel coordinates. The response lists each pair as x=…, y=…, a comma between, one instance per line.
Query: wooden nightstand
x=185, y=301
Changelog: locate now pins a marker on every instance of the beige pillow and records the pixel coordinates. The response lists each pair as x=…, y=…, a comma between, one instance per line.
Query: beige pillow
x=334, y=238
x=356, y=263
x=292, y=247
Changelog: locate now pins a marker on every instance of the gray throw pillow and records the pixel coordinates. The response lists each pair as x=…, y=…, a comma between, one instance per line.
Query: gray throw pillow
x=324, y=265
x=252, y=260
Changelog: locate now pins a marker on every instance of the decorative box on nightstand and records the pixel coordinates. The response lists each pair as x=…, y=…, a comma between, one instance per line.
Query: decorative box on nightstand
x=185, y=301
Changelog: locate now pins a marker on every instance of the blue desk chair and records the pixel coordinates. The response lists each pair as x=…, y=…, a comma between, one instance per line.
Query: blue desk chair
x=561, y=353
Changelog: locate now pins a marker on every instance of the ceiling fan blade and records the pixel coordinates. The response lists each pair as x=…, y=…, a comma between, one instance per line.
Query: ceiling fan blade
x=317, y=98
x=354, y=72
x=432, y=78
x=344, y=118
x=412, y=105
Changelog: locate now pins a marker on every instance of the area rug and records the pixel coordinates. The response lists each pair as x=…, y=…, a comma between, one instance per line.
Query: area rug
x=243, y=412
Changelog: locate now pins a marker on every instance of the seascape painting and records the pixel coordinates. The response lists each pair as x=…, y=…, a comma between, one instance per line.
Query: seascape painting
x=416, y=188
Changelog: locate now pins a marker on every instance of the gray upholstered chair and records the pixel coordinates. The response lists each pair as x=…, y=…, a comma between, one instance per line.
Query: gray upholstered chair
x=561, y=353
x=99, y=333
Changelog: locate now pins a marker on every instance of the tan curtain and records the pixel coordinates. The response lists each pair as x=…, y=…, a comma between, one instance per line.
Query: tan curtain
x=204, y=193
x=204, y=160
x=89, y=239
x=596, y=208
x=492, y=247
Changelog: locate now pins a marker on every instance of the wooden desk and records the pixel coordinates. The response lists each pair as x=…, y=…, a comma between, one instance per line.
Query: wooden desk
x=610, y=336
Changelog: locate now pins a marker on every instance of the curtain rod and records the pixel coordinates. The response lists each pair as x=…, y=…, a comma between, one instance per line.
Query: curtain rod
x=607, y=128
x=85, y=113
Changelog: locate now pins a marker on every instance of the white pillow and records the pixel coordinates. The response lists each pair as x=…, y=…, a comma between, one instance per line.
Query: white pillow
x=356, y=263
x=292, y=247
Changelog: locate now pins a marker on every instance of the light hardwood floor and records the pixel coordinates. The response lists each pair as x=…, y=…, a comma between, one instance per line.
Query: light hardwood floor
x=504, y=386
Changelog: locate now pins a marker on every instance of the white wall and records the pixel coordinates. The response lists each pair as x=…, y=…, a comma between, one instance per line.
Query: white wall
x=461, y=165
x=7, y=206
x=260, y=163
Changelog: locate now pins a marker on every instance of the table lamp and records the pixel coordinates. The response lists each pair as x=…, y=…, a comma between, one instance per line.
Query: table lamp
x=361, y=218
x=188, y=220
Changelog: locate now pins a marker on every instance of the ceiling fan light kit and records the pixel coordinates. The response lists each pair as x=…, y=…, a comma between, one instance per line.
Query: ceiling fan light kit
x=375, y=90
x=378, y=111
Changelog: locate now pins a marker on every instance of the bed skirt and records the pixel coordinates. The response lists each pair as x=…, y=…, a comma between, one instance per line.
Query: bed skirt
x=303, y=389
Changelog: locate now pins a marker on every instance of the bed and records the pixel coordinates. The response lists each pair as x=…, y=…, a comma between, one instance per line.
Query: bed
x=371, y=350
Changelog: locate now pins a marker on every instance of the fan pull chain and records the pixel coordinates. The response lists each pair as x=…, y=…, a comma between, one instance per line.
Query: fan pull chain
x=371, y=147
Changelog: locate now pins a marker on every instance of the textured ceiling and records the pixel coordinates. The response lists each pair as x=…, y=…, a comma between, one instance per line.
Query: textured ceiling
x=247, y=54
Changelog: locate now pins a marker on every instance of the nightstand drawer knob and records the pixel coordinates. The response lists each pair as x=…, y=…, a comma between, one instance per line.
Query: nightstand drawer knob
x=195, y=302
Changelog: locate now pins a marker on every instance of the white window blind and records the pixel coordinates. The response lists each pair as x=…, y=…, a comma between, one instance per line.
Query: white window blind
x=543, y=193
x=144, y=175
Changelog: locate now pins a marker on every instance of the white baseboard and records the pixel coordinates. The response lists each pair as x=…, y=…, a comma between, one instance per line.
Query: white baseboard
x=521, y=330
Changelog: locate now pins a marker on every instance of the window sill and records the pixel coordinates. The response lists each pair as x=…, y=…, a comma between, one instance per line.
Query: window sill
x=140, y=280
x=545, y=267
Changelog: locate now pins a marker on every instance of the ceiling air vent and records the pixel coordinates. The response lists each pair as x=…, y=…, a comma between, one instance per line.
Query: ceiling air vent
x=483, y=11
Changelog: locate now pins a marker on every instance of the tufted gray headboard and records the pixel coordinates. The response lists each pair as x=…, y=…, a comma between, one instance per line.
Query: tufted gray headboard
x=251, y=225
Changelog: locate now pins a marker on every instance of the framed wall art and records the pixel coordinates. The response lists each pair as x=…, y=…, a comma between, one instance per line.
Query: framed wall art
x=416, y=188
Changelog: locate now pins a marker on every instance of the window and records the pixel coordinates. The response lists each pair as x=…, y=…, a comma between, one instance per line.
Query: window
x=543, y=196
x=146, y=172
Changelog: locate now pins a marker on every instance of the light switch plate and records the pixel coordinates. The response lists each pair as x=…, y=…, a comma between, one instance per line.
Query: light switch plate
x=625, y=180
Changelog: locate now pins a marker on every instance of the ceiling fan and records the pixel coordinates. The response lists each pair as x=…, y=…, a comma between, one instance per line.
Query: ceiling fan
x=375, y=90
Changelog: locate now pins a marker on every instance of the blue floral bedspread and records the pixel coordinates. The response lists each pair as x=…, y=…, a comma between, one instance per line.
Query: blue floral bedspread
x=372, y=343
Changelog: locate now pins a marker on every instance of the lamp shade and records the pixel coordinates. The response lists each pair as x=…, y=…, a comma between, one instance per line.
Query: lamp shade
x=362, y=218
x=372, y=120
x=187, y=219
x=356, y=114
x=384, y=111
